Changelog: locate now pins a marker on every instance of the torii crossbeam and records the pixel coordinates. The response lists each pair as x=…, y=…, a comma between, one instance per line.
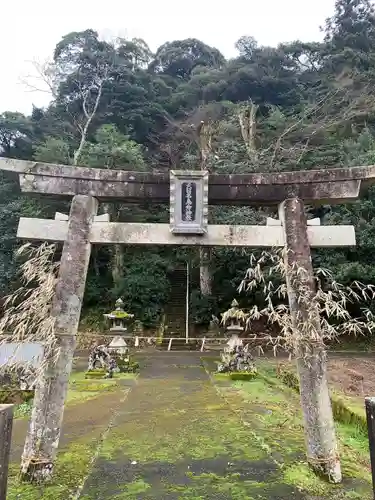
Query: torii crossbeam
x=313, y=186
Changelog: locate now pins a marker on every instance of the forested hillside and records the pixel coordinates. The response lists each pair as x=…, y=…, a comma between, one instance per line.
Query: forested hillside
x=118, y=105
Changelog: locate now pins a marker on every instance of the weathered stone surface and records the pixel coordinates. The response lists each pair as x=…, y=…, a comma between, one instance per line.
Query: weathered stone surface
x=97, y=218
x=322, y=452
x=159, y=234
x=6, y=424
x=44, y=432
x=314, y=186
x=277, y=222
x=239, y=192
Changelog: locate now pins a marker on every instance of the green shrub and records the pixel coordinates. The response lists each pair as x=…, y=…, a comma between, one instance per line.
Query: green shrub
x=202, y=308
x=24, y=409
x=145, y=287
x=126, y=366
x=93, y=320
x=15, y=396
x=288, y=377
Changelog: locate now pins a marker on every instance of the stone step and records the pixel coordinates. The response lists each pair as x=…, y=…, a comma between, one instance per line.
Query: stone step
x=179, y=344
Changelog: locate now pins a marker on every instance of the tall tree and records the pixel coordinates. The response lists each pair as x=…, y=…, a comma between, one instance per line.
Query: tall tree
x=179, y=58
x=84, y=64
x=112, y=149
x=350, y=37
x=16, y=134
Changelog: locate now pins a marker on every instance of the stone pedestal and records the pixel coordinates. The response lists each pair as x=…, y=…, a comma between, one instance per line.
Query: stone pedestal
x=234, y=341
x=118, y=345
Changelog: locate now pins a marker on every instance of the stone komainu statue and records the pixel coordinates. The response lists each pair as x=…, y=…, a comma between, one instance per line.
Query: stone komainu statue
x=236, y=358
x=100, y=355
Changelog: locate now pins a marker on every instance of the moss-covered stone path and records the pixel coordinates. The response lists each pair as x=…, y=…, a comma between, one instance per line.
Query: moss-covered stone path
x=175, y=437
x=180, y=433
x=88, y=417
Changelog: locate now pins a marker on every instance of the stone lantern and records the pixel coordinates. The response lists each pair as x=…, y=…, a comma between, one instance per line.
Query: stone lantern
x=118, y=319
x=233, y=321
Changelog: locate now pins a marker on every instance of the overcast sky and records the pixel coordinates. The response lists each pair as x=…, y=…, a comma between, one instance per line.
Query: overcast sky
x=30, y=29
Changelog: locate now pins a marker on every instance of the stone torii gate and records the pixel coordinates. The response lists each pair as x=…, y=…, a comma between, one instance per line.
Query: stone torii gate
x=189, y=194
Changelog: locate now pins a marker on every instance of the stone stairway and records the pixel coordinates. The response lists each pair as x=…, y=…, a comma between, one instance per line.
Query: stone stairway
x=176, y=309
x=176, y=314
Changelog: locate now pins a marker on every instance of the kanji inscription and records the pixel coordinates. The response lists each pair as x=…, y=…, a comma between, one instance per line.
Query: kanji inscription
x=188, y=202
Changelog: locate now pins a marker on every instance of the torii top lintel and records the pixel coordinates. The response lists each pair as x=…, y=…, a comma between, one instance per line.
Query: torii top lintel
x=338, y=185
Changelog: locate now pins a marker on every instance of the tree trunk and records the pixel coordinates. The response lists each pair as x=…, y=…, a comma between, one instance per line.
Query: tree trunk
x=117, y=265
x=204, y=271
x=44, y=432
x=88, y=116
x=205, y=139
x=322, y=452
x=117, y=251
x=248, y=124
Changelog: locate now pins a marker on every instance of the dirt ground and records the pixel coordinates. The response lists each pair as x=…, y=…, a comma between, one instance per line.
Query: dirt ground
x=353, y=376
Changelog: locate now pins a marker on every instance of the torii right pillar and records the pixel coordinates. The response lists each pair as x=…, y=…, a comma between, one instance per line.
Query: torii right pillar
x=321, y=443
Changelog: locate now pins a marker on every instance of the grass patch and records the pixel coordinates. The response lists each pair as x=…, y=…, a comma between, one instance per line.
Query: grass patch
x=80, y=390
x=271, y=410
x=345, y=409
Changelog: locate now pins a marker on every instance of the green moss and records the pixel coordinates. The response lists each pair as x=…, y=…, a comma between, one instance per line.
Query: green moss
x=78, y=377
x=242, y=375
x=235, y=376
x=352, y=438
x=82, y=389
x=346, y=412
x=166, y=435
x=96, y=374
x=71, y=468
x=301, y=476
x=353, y=495
x=209, y=485
x=90, y=386
x=121, y=314
x=172, y=441
x=133, y=489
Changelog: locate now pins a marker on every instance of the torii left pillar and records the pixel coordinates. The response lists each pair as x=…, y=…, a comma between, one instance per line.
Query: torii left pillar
x=44, y=432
